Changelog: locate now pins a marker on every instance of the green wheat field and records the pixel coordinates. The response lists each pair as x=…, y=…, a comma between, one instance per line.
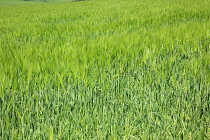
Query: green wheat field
x=105, y=70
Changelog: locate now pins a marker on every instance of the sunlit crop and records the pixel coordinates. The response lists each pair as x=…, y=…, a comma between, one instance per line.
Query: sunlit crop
x=105, y=69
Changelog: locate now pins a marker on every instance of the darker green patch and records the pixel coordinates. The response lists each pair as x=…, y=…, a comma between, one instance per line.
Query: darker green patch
x=77, y=0
x=36, y=0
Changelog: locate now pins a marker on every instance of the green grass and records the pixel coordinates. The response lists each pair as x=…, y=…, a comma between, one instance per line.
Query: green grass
x=5, y=3
x=105, y=69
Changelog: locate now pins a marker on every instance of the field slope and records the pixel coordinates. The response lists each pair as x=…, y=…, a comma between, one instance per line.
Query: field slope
x=105, y=69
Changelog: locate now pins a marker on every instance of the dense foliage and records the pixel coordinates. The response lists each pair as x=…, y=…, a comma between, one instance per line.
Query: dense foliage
x=105, y=69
